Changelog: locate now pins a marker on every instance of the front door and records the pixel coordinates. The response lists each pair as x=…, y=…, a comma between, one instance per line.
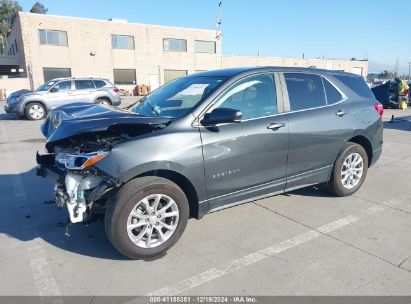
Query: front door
x=247, y=159
x=59, y=94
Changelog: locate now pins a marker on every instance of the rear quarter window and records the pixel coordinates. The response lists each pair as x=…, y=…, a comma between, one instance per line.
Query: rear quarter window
x=357, y=84
x=99, y=83
x=332, y=94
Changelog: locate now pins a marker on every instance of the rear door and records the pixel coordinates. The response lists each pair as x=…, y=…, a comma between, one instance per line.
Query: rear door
x=84, y=91
x=247, y=159
x=319, y=122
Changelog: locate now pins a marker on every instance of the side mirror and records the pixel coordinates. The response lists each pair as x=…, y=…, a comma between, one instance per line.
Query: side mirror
x=221, y=115
x=54, y=89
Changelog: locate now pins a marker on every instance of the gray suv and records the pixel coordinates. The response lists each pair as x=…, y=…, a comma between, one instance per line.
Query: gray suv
x=35, y=105
x=209, y=141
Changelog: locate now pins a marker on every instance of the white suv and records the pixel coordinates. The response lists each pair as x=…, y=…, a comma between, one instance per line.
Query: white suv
x=35, y=105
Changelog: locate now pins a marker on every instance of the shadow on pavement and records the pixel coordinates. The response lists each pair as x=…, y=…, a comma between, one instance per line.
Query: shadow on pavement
x=402, y=123
x=29, y=215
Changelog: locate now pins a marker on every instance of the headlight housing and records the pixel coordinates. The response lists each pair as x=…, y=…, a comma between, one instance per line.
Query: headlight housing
x=83, y=161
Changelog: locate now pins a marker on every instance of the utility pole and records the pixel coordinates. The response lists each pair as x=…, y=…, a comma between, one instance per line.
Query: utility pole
x=219, y=20
x=397, y=67
x=409, y=71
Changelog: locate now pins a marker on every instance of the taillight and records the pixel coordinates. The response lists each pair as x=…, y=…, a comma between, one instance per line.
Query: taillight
x=116, y=90
x=379, y=108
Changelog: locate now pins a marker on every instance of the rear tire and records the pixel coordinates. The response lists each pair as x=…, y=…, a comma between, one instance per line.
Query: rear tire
x=350, y=170
x=135, y=205
x=103, y=101
x=35, y=111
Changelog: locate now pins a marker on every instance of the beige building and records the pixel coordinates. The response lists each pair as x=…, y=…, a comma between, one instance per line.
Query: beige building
x=49, y=46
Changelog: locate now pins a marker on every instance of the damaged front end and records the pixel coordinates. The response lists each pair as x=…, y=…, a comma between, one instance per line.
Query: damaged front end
x=79, y=185
x=78, y=137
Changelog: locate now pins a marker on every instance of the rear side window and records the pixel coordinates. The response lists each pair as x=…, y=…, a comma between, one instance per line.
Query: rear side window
x=332, y=94
x=357, y=84
x=84, y=84
x=99, y=83
x=305, y=91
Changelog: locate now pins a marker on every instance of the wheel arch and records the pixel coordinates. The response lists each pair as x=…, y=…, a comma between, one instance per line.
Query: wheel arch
x=365, y=143
x=183, y=182
x=24, y=107
x=103, y=97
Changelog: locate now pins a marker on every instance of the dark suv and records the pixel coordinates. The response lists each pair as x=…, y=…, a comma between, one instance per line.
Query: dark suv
x=206, y=142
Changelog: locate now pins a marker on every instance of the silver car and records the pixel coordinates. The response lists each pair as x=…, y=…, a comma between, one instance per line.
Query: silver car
x=35, y=105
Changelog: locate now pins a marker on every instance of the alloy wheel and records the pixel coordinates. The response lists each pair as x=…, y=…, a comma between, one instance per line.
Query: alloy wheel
x=152, y=221
x=352, y=170
x=36, y=112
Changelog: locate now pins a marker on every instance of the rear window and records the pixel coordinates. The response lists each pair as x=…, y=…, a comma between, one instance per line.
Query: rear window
x=357, y=84
x=332, y=94
x=305, y=91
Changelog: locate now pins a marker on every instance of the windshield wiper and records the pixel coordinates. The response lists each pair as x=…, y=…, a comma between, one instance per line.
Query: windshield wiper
x=134, y=103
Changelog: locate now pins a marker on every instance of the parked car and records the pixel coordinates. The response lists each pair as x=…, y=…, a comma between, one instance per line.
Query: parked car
x=35, y=105
x=209, y=141
x=387, y=94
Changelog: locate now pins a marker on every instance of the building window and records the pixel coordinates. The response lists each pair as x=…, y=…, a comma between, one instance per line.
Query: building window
x=125, y=76
x=170, y=75
x=49, y=37
x=122, y=42
x=53, y=73
x=205, y=47
x=175, y=45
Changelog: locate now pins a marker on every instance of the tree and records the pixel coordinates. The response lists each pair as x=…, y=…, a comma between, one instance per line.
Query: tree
x=39, y=8
x=8, y=13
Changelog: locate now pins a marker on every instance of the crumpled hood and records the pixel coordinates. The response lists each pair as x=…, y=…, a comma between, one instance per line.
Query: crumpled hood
x=77, y=118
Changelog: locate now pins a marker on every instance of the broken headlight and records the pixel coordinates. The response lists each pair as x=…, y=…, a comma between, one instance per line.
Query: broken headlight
x=83, y=160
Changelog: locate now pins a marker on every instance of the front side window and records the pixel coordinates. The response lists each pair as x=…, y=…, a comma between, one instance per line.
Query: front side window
x=205, y=47
x=50, y=37
x=178, y=97
x=83, y=84
x=175, y=45
x=63, y=86
x=254, y=96
x=305, y=91
x=122, y=42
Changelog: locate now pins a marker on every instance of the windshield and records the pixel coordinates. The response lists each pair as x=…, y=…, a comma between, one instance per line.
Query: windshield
x=46, y=86
x=179, y=97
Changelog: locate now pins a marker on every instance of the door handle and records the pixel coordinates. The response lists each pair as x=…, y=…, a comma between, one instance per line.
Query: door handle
x=340, y=113
x=275, y=126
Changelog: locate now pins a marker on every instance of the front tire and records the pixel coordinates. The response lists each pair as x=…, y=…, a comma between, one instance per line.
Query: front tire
x=35, y=111
x=146, y=217
x=350, y=170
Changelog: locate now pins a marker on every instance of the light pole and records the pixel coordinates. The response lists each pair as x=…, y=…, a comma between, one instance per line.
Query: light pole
x=409, y=71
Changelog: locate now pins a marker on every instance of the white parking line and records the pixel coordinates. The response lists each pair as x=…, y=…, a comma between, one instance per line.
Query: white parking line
x=260, y=255
x=42, y=274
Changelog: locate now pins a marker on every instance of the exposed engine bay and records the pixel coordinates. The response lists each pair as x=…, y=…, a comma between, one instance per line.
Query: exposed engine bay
x=79, y=185
x=71, y=155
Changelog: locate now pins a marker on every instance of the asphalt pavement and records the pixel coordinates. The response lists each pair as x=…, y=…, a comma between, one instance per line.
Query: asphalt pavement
x=302, y=243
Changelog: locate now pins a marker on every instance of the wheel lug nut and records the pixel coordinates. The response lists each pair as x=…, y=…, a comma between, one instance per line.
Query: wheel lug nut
x=157, y=224
x=152, y=213
x=146, y=220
